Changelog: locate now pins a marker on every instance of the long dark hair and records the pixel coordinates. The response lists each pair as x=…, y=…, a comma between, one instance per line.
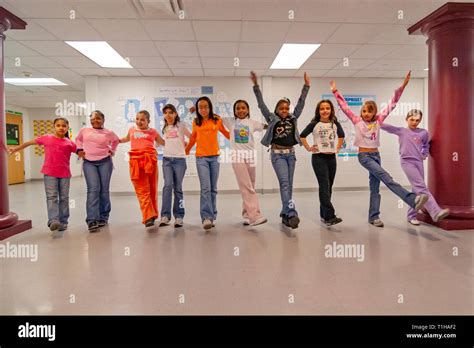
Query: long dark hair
x=66, y=121
x=317, y=115
x=241, y=101
x=176, y=119
x=199, y=117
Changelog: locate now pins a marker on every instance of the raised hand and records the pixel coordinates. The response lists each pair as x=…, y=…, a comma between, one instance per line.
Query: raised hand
x=407, y=79
x=307, y=80
x=333, y=86
x=253, y=77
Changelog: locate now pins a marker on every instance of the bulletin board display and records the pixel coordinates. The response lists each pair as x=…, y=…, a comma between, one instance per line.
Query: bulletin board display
x=42, y=127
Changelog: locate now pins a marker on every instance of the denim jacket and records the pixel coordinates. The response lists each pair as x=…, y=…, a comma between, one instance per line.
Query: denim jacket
x=272, y=118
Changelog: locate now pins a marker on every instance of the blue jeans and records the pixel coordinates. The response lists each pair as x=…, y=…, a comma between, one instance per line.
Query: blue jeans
x=284, y=166
x=173, y=174
x=208, y=172
x=57, y=198
x=97, y=175
x=371, y=161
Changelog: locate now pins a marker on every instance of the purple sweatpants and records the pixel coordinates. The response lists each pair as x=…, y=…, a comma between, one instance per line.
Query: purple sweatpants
x=416, y=175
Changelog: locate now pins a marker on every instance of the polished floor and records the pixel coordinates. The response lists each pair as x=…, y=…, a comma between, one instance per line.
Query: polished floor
x=235, y=269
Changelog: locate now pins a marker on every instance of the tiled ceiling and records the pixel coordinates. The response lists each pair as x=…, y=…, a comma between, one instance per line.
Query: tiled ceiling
x=213, y=33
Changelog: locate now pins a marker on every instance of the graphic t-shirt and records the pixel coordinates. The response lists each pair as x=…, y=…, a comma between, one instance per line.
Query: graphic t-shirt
x=174, y=140
x=284, y=133
x=142, y=139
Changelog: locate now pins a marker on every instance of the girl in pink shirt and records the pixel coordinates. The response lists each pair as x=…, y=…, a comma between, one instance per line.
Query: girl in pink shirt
x=56, y=170
x=367, y=130
x=96, y=146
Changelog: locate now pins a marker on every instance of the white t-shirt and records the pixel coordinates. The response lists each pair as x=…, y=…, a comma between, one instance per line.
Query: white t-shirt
x=174, y=140
x=241, y=132
x=325, y=137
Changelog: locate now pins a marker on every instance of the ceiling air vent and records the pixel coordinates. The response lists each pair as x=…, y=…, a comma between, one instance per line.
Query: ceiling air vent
x=157, y=8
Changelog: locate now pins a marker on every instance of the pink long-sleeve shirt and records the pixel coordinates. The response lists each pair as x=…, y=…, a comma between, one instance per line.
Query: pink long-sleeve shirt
x=367, y=133
x=97, y=143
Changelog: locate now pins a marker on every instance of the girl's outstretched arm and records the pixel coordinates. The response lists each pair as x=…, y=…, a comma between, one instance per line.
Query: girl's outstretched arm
x=304, y=92
x=125, y=139
x=12, y=150
x=396, y=97
x=258, y=94
x=343, y=104
x=391, y=129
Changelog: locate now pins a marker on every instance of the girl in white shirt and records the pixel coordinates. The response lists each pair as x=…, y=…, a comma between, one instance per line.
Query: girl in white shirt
x=243, y=158
x=174, y=166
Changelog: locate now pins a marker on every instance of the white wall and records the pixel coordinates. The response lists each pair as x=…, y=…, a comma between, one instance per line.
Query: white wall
x=110, y=90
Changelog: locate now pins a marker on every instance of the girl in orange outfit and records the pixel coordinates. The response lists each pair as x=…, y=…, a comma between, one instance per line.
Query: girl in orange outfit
x=144, y=165
x=206, y=126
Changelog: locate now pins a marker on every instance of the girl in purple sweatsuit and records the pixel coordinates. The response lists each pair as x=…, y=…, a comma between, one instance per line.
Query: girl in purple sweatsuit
x=414, y=148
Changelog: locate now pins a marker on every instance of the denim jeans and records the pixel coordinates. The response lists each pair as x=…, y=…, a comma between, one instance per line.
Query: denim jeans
x=371, y=161
x=57, y=198
x=173, y=174
x=324, y=166
x=97, y=175
x=208, y=172
x=284, y=166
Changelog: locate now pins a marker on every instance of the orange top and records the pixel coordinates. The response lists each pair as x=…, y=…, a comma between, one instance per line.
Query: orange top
x=206, y=137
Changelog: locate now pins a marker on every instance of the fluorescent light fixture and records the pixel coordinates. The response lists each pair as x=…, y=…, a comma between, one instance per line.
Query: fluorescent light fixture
x=34, y=81
x=293, y=56
x=426, y=69
x=101, y=53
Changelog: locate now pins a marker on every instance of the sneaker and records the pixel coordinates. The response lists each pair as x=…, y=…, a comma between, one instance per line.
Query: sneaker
x=246, y=222
x=93, y=226
x=420, y=201
x=102, y=223
x=178, y=222
x=207, y=224
x=150, y=222
x=376, y=223
x=414, y=222
x=293, y=222
x=333, y=221
x=54, y=225
x=62, y=228
x=259, y=221
x=441, y=215
x=165, y=221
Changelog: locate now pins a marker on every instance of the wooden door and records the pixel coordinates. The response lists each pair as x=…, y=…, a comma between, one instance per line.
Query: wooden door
x=16, y=162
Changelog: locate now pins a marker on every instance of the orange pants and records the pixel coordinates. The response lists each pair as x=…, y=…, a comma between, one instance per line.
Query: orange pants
x=144, y=175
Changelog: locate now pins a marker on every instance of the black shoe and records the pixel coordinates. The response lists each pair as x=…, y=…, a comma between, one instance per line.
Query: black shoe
x=102, y=223
x=93, y=226
x=333, y=221
x=150, y=222
x=284, y=220
x=293, y=222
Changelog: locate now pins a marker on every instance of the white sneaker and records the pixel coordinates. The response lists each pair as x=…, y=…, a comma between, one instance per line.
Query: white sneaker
x=414, y=222
x=246, y=222
x=165, y=221
x=376, y=223
x=207, y=224
x=178, y=222
x=259, y=221
x=441, y=215
x=420, y=201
